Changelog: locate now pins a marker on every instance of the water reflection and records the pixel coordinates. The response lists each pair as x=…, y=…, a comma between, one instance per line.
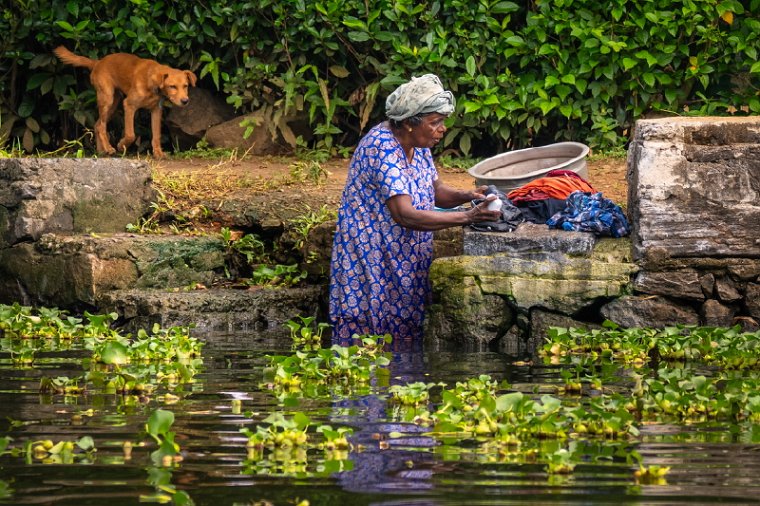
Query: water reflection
x=394, y=462
x=383, y=464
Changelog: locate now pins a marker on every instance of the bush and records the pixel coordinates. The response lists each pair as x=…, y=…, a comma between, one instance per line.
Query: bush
x=557, y=70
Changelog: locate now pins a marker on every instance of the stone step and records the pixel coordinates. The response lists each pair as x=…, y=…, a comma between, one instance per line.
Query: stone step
x=260, y=310
x=75, y=271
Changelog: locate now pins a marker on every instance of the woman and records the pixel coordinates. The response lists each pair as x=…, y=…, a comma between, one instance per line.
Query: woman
x=383, y=244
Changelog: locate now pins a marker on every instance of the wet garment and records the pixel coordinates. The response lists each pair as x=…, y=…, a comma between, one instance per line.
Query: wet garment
x=379, y=270
x=538, y=211
x=557, y=186
x=591, y=212
x=510, y=218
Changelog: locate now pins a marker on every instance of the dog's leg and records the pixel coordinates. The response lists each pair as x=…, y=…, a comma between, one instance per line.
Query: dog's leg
x=155, y=125
x=129, y=126
x=107, y=103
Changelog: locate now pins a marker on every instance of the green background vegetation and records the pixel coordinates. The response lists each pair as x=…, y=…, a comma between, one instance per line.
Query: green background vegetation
x=524, y=73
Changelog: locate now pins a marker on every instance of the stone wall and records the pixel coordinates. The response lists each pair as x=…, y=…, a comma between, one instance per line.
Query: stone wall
x=510, y=286
x=63, y=244
x=693, y=256
x=694, y=199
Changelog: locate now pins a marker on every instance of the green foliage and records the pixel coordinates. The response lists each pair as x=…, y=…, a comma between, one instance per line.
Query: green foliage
x=157, y=427
x=523, y=73
x=304, y=336
x=277, y=275
x=249, y=246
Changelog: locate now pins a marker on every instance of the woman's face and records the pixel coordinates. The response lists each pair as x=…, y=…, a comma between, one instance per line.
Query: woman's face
x=430, y=132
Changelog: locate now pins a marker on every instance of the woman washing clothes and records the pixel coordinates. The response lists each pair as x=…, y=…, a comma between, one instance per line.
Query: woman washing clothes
x=383, y=243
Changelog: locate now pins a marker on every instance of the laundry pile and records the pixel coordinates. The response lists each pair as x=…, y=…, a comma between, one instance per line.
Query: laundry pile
x=561, y=199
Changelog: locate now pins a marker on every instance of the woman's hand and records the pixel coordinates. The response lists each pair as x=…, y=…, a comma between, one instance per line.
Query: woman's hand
x=480, y=212
x=479, y=193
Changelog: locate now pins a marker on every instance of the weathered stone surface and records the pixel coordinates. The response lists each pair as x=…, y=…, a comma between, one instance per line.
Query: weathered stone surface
x=541, y=321
x=563, y=283
x=752, y=300
x=694, y=188
x=263, y=310
x=317, y=249
x=707, y=282
x=74, y=280
x=683, y=284
x=70, y=195
x=448, y=242
x=529, y=240
x=726, y=290
x=463, y=314
x=188, y=124
x=517, y=341
x=267, y=136
x=745, y=270
x=648, y=311
x=715, y=314
x=74, y=271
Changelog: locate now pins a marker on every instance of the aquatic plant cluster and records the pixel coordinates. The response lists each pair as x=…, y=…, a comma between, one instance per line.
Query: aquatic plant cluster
x=117, y=363
x=607, y=388
x=681, y=374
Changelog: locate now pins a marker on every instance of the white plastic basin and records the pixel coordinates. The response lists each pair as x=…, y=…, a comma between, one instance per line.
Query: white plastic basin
x=513, y=169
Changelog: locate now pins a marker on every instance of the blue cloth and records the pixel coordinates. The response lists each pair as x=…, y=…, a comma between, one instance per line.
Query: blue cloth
x=591, y=212
x=379, y=272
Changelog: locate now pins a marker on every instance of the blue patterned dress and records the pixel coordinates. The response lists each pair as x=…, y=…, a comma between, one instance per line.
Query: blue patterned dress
x=379, y=271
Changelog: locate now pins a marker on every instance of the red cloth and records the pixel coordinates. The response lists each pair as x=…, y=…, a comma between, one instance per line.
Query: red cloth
x=557, y=184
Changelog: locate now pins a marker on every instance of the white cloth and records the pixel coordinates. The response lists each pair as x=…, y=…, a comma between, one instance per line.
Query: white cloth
x=421, y=95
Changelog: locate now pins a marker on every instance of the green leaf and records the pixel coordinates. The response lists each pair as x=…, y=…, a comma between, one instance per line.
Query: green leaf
x=563, y=91
x=355, y=23
x=471, y=106
x=629, y=63
x=114, y=353
x=86, y=443
x=339, y=71
x=358, y=36
x=26, y=107
x=470, y=65
x=65, y=25
x=507, y=402
x=504, y=8
x=465, y=143
x=159, y=423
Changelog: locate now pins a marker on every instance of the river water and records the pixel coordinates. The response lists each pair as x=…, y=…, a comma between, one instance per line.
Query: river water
x=393, y=462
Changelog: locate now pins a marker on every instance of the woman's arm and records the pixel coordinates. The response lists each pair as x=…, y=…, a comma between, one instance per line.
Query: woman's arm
x=447, y=197
x=404, y=213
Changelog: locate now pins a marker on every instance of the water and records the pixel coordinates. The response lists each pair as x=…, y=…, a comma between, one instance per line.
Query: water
x=399, y=464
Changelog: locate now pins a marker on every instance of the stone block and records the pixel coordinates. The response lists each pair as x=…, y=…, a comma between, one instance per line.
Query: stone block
x=683, y=284
x=529, y=240
x=650, y=311
x=75, y=271
x=70, y=195
x=694, y=188
x=467, y=316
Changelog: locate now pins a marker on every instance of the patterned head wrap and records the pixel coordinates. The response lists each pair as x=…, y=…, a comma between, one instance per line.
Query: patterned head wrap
x=421, y=95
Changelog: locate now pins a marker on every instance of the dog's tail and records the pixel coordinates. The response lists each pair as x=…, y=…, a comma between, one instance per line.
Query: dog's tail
x=70, y=58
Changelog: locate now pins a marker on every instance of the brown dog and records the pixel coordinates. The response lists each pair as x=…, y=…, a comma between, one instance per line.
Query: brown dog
x=142, y=82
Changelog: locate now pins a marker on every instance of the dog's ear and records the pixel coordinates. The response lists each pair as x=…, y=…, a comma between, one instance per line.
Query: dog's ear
x=191, y=78
x=157, y=78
